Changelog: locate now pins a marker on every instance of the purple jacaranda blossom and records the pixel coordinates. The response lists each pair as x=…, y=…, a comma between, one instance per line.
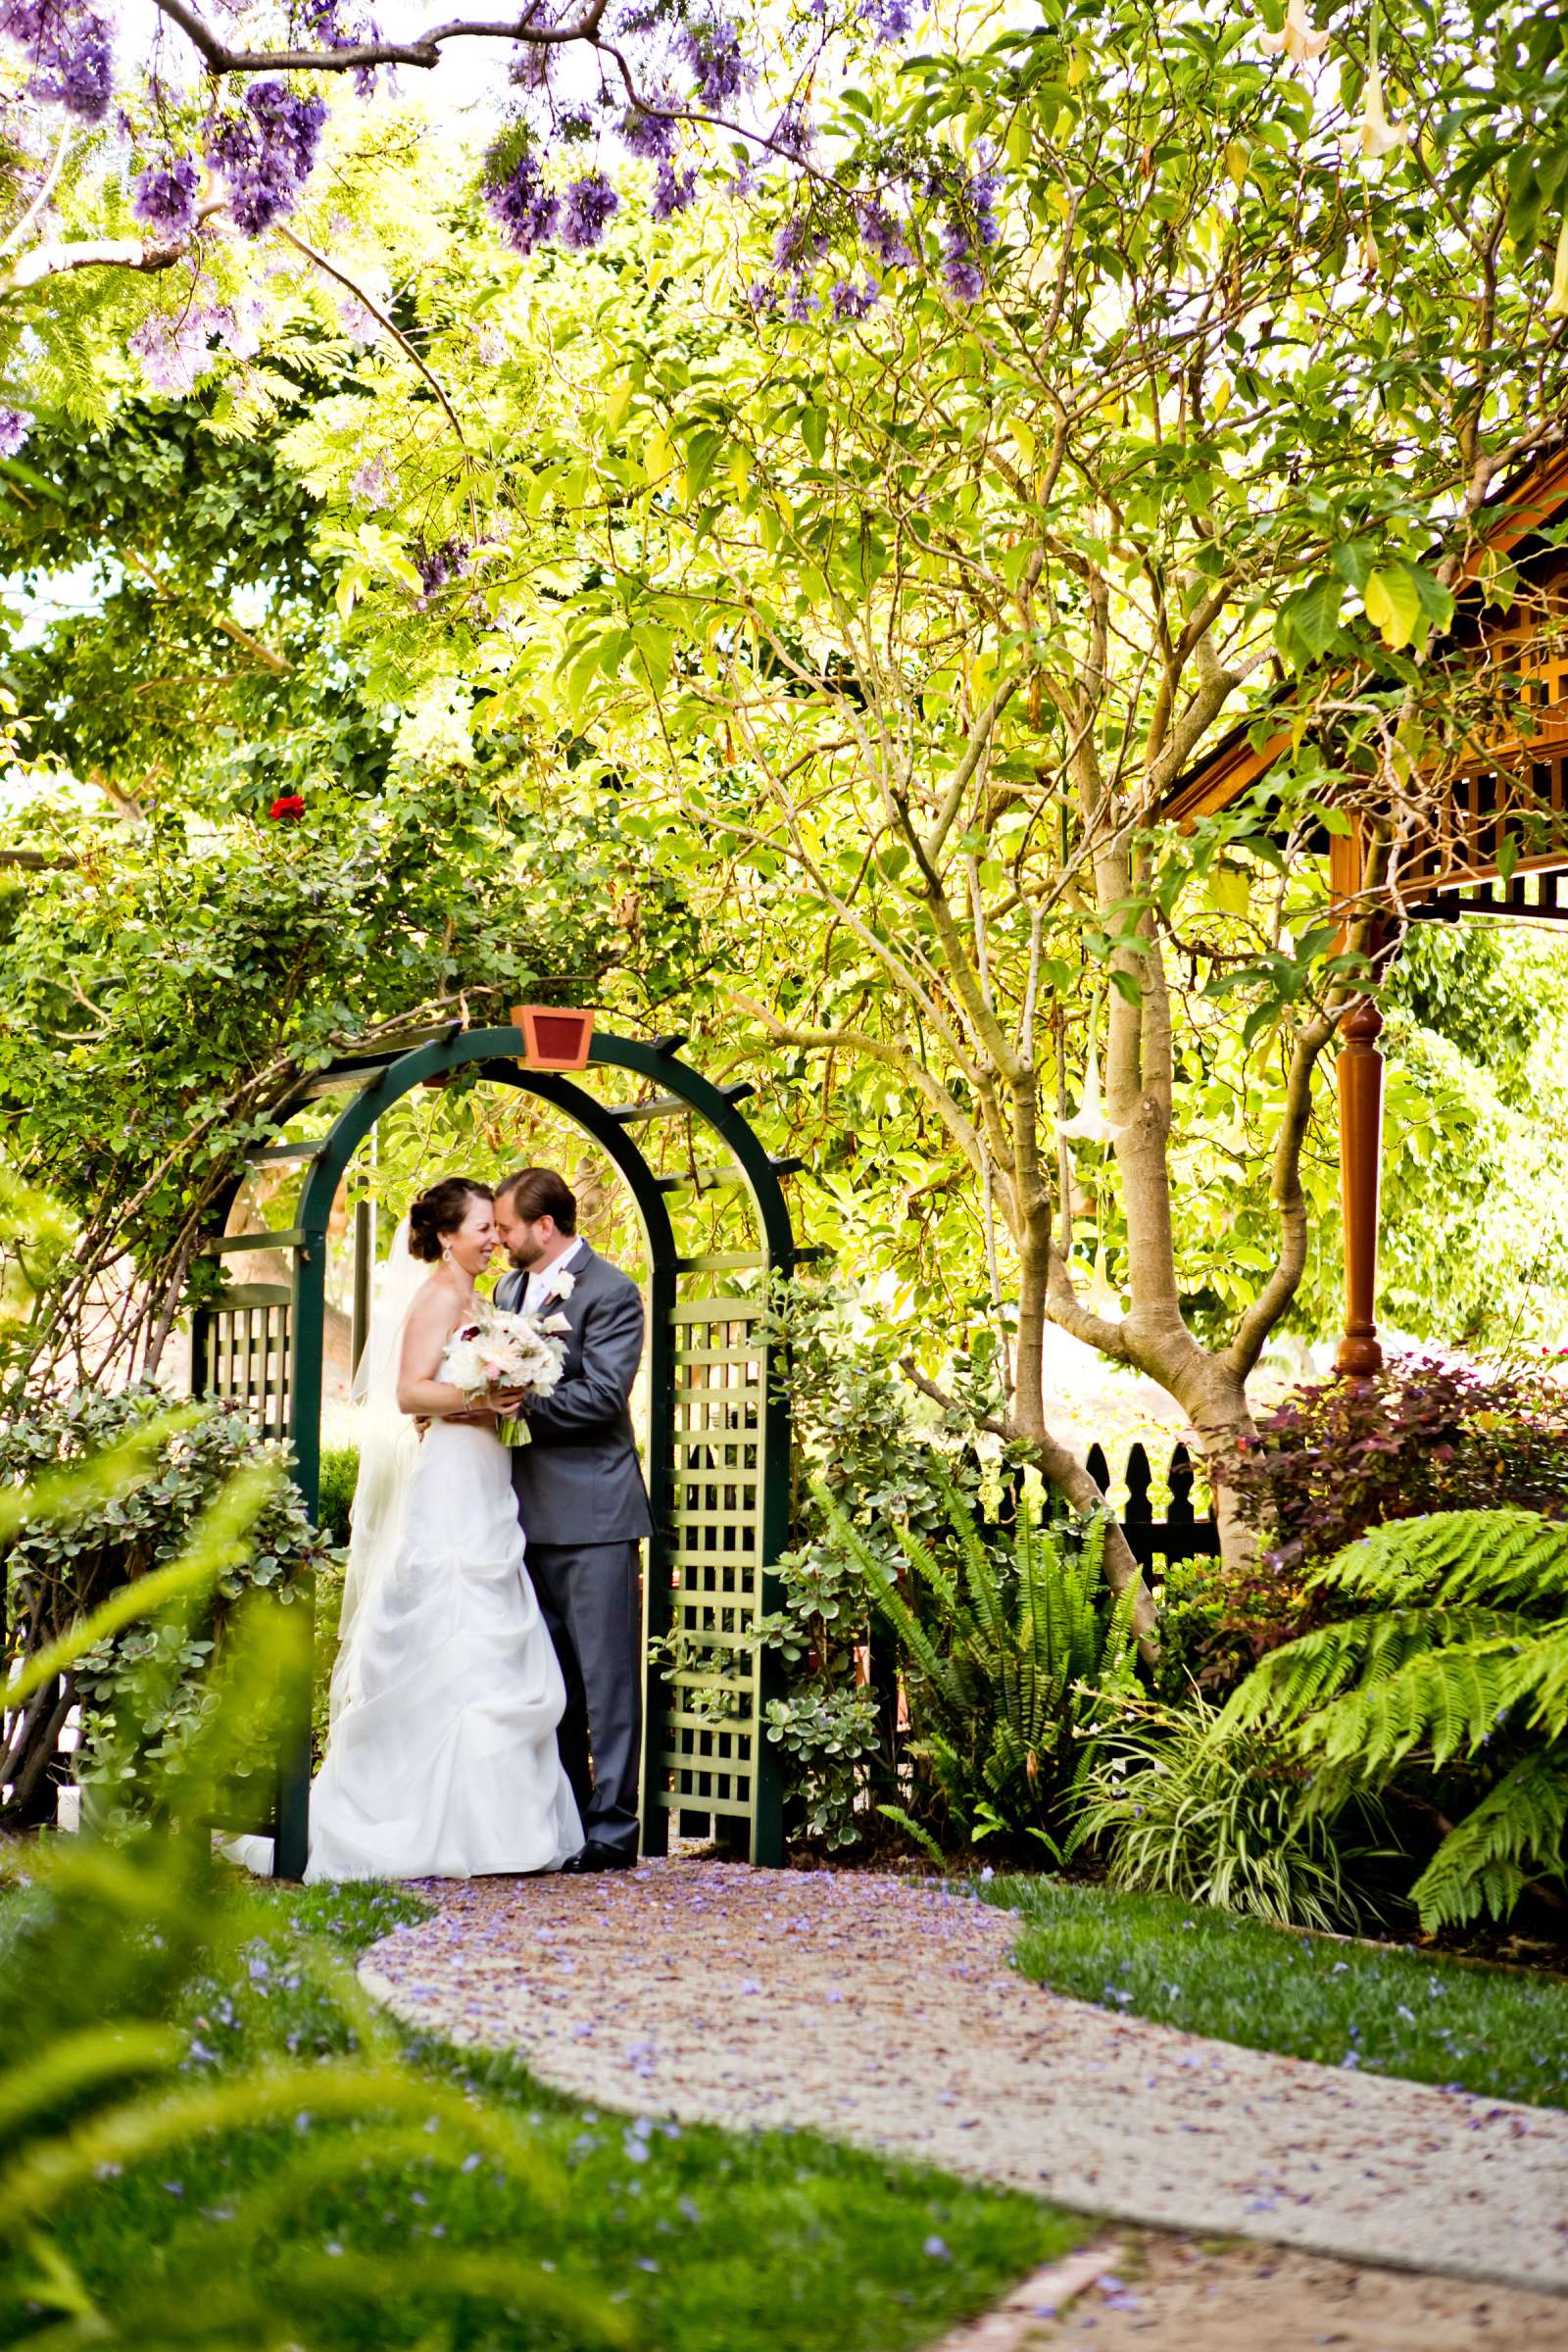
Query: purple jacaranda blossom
x=165, y=196
x=851, y=301
x=761, y=295
x=792, y=133
x=795, y=243
x=674, y=190
x=959, y=269
x=335, y=26
x=800, y=300
x=890, y=20
x=436, y=566
x=266, y=152
x=652, y=133
x=490, y=346
x=369, y=485
x=15, y=426
x=712, y=48
x=359, y=321
x=527, y=210
x=587, y=210
x=69, y=52
x=984, y=189
x=173, y=353
x=883, y=237
x=237, y=324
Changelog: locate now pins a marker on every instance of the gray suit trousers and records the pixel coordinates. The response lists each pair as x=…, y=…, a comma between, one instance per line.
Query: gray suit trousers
x=590, y=1601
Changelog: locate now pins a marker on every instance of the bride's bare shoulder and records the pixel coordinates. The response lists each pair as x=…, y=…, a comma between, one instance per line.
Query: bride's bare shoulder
x=434, y=1308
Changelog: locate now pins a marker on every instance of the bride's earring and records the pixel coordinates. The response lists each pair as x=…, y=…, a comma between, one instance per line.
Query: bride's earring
x=446, y=1253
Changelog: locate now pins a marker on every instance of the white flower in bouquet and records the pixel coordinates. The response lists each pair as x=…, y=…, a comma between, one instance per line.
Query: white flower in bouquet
x=500, y=1353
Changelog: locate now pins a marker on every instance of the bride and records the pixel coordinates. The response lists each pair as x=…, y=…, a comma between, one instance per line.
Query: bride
x=441, y=1758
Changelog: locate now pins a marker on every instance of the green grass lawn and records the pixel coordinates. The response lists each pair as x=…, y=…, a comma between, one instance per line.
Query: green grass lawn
x=1388, y=2011
x=700, y=2240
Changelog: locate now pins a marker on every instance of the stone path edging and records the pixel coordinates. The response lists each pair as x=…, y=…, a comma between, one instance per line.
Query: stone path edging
x=887, y=2012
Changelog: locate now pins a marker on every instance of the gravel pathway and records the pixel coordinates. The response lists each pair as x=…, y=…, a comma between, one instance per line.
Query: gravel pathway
x=887, y=2012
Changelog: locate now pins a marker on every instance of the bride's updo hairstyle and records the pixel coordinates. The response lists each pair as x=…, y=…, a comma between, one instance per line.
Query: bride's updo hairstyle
x=440, y=1211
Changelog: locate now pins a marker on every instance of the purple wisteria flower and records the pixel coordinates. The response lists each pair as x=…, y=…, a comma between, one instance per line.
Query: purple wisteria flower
x=69, y=50
x=674, y=190
x=586, y=210
x=712, y=50
x=165, y=196
x=525, y=209
x=358, y=321
x=15, y=426
x=266, y=153
x=984, y=189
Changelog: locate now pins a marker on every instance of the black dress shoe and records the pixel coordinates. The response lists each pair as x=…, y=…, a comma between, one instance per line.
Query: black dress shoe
x=596, y=1855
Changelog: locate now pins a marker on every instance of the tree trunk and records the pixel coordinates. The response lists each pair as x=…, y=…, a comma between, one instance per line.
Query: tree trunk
x=1060, y=1467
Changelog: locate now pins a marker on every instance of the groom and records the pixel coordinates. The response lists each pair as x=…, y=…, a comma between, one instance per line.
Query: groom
x=582, y=1501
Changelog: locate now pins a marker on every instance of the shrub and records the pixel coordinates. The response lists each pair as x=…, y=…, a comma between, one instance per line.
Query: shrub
x=1004, y=1654
x=340, y=1470
x=861, y=1436
x=1343, y=1456
x=99, y=1953
x=60, y=1569
x=1176, y=1804
x=1421, y=1436
x=1445, y=1679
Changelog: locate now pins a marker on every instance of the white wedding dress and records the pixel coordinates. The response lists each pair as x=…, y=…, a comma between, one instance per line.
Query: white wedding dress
x=441, y=1759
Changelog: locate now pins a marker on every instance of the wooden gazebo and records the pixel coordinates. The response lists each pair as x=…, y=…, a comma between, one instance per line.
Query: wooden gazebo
x=1497, y=844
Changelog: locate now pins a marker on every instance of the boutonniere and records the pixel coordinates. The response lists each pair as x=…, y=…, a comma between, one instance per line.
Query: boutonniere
x=563, y=1286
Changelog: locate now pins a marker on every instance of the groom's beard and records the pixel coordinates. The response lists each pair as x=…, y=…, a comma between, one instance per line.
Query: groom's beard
x=522, y=1263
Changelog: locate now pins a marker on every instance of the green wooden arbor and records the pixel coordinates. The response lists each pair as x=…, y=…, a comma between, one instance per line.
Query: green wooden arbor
x=719, y=1424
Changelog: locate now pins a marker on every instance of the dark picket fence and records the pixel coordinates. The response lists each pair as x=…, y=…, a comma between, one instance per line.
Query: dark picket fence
x=1182, y=1535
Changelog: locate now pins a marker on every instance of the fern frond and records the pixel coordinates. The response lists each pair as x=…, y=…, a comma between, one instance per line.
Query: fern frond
x=1513, y=1835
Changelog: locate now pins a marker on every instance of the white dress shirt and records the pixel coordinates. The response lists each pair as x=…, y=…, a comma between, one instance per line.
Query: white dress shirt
x=543, y=1286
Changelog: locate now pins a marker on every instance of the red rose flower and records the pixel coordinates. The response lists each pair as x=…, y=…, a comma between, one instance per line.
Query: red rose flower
x=288, y=809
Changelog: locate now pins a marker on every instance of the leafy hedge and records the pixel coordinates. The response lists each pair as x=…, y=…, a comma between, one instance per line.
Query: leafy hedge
x=60, y=1569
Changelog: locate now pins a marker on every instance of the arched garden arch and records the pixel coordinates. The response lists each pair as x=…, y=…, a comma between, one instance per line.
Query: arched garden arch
x=719, y=1424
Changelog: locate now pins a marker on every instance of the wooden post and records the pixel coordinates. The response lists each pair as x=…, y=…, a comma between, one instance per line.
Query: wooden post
x=1360, y=1078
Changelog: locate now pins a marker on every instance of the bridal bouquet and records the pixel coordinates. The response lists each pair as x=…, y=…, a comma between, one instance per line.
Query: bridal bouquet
x=501, y=1352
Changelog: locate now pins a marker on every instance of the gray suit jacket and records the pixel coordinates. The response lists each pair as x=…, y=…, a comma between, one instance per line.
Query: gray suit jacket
x=579, y=1482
